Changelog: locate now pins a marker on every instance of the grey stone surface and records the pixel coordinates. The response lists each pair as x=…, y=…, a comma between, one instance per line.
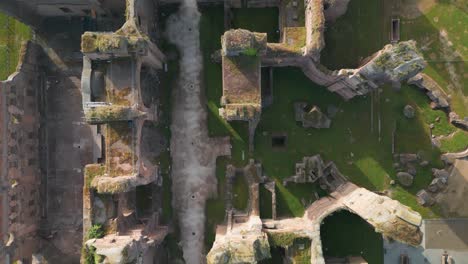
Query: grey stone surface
x=244, y=243
x=315, y=118
x=437, y=184
x=432, y=89
x=456, y=121
x=405, y=178
x=419, y=254
x=424, y=198
x=408, y=111
x=406, y=158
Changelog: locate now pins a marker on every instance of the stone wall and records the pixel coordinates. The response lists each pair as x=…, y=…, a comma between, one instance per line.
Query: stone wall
x=112, y=185
x=20, y=180
x=315, y=28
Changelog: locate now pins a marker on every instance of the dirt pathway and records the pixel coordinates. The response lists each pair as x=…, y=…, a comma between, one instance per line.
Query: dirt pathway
x=193, y=153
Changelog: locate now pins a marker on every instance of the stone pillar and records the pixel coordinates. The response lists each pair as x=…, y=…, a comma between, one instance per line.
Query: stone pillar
x=254, y=202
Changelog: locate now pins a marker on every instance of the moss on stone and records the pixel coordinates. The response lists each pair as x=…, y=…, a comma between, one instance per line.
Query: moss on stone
x=108, y=42
x=108, y=113
x=89, y=42
x=115, y=187
x=100, y=42
x=283, y=240
x=91, y=171
x=301, y=255
x=119, y=149
x=250, y=52
x=400, y=230
x=120, y=96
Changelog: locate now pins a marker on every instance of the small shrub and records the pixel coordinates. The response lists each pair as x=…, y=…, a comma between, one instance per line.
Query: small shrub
x=96, y=231
x=250, y=52
x=283, y=239
x=88, y=254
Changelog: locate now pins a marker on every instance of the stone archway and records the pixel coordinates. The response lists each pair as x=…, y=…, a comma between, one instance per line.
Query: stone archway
x=387, y=216
x=344, y=234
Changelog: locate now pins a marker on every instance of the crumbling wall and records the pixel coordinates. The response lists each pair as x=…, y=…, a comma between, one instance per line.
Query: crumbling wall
x=144, y=13
x=315, y=28
x=20, y=177
x=113, y=183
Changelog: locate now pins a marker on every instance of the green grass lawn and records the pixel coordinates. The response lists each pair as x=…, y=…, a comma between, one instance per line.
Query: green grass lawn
x=441, y=35
x=353, y=142
x=349, y=142
x=357, y=34
x=12, y=34
x=346, y=234
x=264, y=20
x=164, y=159
x=215, y=207
x=458, y=142
x=240, y=190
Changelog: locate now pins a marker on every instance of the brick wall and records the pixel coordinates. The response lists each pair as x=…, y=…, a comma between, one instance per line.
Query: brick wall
x=20, y=175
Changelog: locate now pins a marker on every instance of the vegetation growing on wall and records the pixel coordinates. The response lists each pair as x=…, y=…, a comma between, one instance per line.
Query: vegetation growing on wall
x=88, y=253
x=101, y=42
x=92, y=171
x=12, y=34
x=250, y=52
x=284, y=240
x=109, y=113
x=96, y=231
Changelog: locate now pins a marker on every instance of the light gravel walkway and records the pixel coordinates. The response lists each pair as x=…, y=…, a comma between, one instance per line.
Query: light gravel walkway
x=193, y=152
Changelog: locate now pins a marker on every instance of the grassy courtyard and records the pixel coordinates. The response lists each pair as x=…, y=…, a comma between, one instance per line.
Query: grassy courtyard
x=263, y=20
x=441, y=35
x=360, y=32
x=359, y=152
x=363, y=130
x=12, y=34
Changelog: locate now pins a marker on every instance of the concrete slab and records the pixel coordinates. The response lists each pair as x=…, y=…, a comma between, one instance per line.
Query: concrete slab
x=450, y=234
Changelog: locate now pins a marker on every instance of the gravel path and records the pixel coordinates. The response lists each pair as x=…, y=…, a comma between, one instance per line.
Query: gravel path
x=193, y=152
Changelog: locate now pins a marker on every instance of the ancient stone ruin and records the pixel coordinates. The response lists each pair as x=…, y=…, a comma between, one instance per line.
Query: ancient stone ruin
x=244, y=52
x=313, y=169
x=21, y=134
x=113, y=105
x=241, y=98
x=310, y=118
x=248, y=239
x=110, y=70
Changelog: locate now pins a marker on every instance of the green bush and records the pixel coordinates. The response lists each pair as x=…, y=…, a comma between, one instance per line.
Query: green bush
x=96, y=231
x=250, y=52
x=283, y=239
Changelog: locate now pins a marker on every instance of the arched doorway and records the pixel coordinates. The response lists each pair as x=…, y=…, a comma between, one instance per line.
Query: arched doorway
x=346, y=234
